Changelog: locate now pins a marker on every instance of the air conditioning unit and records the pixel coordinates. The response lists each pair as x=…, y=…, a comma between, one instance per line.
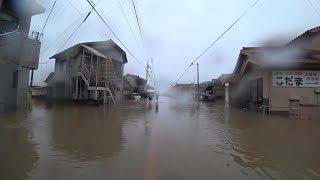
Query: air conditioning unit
x=317, y=90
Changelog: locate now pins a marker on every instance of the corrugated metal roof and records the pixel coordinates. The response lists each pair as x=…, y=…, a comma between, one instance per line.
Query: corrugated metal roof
x=97, y=53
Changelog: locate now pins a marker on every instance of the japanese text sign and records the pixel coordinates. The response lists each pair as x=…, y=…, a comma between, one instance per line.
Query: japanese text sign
x=296, y=78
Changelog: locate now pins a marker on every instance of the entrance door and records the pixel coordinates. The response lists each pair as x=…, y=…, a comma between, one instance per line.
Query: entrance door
x=256, y=91
x=260, y=91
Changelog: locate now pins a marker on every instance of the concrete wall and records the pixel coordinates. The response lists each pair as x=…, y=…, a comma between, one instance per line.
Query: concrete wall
x=280, y=97
x=29, y=53
x=18, y=53
x=12, y=97
x=39, y=91
x=23, y=88
x=8, y=94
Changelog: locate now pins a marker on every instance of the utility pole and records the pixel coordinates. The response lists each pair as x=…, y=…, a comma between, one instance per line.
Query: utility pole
x=147, y=74
x=198, y=96
x=153, y=74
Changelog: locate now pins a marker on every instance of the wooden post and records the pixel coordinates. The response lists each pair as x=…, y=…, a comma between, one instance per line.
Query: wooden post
x=104, y=97
x=227, y=94
x=77, y=81
x=96, y=93
x=97, y=71
x=86, y=92
x=121, y=86
x=80, y=90
x=90, y=68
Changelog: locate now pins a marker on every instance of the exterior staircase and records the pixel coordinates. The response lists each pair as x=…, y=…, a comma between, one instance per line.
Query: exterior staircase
x=104, y=78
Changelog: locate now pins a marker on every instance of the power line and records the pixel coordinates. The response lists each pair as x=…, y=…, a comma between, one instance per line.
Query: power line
x=136, y=15
x=71, y=35
x=56, y=14
x=105, y=17
x=59, y=36
x=114, y=33
x=314, y=8
x=92, y=27
x=48, y=47
x=128, y=22
x=75, y=31
x=182, y=75
x=218, y=39
x=45, y=24
x=134, y=9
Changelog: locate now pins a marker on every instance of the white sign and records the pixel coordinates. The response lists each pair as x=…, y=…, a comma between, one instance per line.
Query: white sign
x=296, y=78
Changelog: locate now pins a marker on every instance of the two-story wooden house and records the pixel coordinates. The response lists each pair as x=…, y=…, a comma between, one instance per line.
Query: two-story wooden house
x=89, y=71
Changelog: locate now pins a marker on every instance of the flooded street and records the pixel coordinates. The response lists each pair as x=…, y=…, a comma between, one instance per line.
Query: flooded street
x=174, y=140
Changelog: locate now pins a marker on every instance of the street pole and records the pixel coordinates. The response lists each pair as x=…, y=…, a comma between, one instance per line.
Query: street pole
x=198, y=96
x=153, y=74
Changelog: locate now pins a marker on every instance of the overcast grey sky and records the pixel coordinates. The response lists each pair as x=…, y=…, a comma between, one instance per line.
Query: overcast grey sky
x=176, y=31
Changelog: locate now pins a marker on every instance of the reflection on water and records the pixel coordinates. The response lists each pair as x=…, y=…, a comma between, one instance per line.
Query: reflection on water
x=17, y=151
x=168, y=140
x=87, y=134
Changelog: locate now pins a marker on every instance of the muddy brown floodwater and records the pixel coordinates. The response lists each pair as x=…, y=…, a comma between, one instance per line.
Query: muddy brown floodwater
x=171, y=141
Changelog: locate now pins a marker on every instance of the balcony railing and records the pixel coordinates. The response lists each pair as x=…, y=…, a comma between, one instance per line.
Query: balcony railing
x=20, y=49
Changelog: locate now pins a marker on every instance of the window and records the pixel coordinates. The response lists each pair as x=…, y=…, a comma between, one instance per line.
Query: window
x=15, y=79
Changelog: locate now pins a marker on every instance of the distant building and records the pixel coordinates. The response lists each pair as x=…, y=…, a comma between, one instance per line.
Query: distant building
x=133, y=84
x=187, y=89
x=213, y=90
x=89, y=71
x=19, y=51
x=272, y=76
x=50, y=85
x=38, y=91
